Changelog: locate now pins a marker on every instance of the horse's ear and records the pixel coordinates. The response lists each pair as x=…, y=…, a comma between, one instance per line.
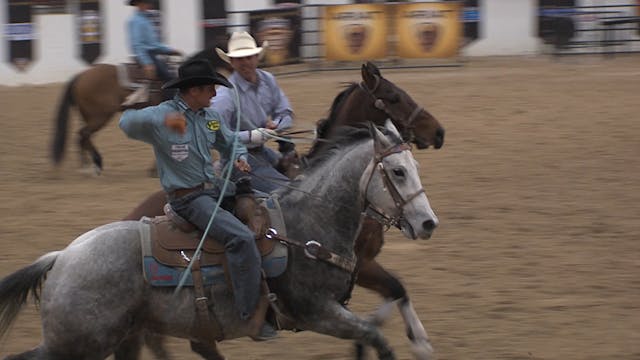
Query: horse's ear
x=368, y=76
x=388, y=124
x=379, y=140
x=373, y=68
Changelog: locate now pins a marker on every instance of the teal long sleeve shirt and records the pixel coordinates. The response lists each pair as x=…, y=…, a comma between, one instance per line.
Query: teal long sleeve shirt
x=183, y=160
x=144, y=38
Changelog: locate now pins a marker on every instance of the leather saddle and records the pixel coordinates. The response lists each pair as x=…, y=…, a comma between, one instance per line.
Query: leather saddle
x=145, y=91
x=174, y=240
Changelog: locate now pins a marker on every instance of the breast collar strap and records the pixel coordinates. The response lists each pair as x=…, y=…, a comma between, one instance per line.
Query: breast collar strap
x=314, y=250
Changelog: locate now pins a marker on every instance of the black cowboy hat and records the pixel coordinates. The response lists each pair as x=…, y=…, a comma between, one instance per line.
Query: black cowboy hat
x=196, y=72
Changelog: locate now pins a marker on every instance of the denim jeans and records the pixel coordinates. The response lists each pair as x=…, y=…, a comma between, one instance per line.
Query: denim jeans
x=264, y=176
x=238, y=240
x=162, y=69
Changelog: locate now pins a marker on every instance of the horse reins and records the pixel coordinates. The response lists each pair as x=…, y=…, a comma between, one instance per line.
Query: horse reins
x=399, y=201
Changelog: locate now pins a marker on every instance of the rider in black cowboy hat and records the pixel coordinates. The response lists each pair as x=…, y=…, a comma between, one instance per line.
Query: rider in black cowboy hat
x=179, y=129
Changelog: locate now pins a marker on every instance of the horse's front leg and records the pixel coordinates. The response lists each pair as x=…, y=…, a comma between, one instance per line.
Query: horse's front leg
x=374, y=277
x=337, y=321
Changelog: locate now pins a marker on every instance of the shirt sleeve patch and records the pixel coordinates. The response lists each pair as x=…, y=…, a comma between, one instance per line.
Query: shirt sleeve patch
x=213, y=125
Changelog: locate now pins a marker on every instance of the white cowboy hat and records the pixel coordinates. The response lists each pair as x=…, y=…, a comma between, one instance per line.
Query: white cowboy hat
x=241, y=44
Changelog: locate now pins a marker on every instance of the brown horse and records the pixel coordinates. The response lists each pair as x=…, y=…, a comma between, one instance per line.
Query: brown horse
x=98, y=95
x=375, y=99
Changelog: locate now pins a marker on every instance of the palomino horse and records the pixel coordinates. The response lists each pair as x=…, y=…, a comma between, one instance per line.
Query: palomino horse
x=98, y=95
x=375, y=100
x=101, y=271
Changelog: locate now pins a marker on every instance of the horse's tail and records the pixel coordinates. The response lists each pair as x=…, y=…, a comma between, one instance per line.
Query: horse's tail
x=15, y=288
x=62, y=119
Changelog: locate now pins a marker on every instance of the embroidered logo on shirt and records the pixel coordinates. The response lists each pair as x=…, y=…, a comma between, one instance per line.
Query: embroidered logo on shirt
x=213, y=125
x=180, y=151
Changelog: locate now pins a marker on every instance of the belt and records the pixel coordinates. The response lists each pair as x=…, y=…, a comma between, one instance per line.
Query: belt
x=178, y=193
x=255, y=149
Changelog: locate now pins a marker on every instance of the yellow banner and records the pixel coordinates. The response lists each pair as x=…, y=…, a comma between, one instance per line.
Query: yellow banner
x=355, y=32
x=428, y=30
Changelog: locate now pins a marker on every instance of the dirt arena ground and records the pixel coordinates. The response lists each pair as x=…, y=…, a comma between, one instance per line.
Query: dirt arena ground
x=537, y=190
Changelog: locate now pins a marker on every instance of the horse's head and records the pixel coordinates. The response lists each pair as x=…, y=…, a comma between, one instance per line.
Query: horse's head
x=415, y=123
x=392, y=187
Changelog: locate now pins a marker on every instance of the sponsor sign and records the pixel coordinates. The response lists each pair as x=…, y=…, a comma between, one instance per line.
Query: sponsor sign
x=280, y=30
x=428, y=30
x=355, y=32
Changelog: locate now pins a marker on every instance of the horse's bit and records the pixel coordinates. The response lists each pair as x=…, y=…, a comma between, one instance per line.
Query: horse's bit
x=399, y=201
x=407, y=131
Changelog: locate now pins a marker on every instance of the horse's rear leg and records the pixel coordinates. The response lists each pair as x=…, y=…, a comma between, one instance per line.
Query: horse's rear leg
x=207, y=351
x=374, y=277
x=94, y=123
x=129, y=348
x=86, y=146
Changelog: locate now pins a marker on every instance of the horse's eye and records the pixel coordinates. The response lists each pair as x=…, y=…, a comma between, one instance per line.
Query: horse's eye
x=394, y=99
x=398, y=172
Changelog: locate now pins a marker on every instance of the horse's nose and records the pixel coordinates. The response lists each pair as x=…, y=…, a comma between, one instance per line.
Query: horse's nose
x=439, y=138
x=429, y=225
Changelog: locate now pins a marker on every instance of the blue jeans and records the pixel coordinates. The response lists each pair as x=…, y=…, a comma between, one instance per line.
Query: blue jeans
x=238, y=240
x=264, y=176
x=162, y=69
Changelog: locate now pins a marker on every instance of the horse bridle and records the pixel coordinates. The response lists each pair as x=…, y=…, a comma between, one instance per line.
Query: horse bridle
x=407, y=131
x=400, y=202
x=314, y=250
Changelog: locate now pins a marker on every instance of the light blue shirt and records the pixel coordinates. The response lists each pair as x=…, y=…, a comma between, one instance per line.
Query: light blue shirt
x=144, y=38
x=184, y=160
x=258, y=102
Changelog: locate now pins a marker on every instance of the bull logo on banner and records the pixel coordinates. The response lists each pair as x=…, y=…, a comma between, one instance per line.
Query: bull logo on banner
x=427, y=35
x=355, y=32
x=355, y=36
x=428, y=30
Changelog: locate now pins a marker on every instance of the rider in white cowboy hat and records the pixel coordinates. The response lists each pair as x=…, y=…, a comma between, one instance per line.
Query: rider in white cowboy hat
x=264, y=108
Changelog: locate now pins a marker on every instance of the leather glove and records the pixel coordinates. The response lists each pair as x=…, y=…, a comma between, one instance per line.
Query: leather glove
x=260, y=135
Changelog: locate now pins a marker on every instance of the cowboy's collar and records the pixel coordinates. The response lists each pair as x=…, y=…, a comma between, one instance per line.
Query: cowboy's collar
x=243, y=84
x=182, y=105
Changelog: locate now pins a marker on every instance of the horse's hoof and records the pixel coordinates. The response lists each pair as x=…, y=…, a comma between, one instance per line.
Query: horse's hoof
x=90, y=171
x=422, y=350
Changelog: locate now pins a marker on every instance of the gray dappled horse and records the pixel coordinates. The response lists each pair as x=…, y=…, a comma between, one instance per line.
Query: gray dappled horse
x=95, y=300
x=374, y=100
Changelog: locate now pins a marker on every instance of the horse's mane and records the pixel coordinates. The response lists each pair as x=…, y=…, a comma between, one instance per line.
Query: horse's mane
x=324, y=124
x=348, y=135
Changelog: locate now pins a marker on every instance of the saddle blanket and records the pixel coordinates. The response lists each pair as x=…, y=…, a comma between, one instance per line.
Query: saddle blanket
x=158, y=274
